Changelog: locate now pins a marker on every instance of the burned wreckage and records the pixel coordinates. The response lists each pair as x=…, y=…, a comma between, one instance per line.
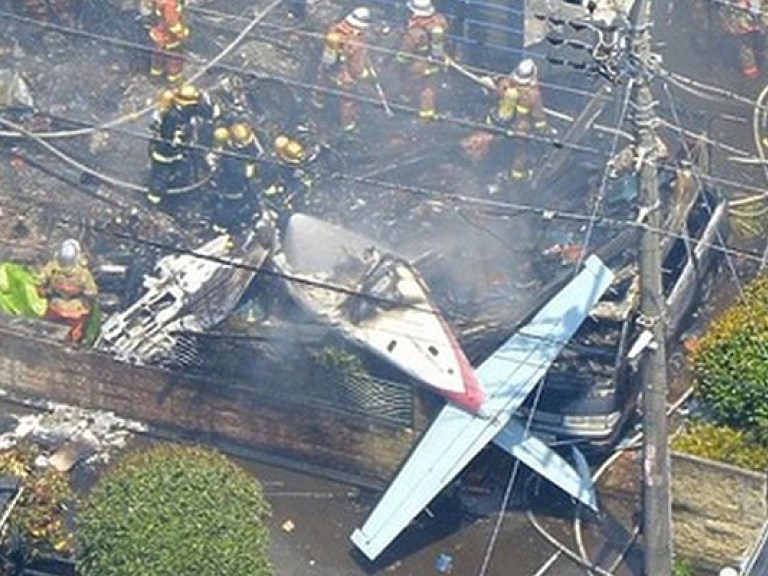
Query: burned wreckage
x=406, y=262
x=378, y=307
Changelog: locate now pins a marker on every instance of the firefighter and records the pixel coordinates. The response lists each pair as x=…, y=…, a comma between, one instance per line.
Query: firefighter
x=196, y=105
x=168, y=149
x=519, y=108
x=236, y=173
x=291, y=183
x=741, y=19
x=198, y=114
x=168, y=35
x=344, y=63
x=422, y=53
x=70, y=288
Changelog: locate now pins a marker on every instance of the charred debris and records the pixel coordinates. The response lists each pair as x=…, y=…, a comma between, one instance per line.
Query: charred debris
x=490, y=249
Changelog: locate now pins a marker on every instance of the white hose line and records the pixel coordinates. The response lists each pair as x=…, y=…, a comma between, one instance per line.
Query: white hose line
x=758, y=115
x=632, y=444
x=559, y=546
x=231, y=46
x=549, y=563
x=139, y=113
x=88, y=170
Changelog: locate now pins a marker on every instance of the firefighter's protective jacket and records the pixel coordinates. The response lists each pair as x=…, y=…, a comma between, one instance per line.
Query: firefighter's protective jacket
x=423, y=45
x=169, y=29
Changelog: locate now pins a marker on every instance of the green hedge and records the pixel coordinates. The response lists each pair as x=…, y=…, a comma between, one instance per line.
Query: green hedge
x=682, y=567
x=723, y=444
x=175, y=511
x=731, y=363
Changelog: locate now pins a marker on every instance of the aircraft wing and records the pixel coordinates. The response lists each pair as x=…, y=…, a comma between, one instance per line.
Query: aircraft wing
x=456, y=436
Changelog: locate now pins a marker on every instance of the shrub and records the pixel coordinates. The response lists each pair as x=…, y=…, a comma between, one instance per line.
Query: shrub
x=40, y=517
x=731, y=363
x=723, y=444
x=682, y=567
x=177, y=511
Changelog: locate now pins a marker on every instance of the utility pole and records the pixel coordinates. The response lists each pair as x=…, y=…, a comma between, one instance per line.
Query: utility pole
x=656, y=500
x=639, y=64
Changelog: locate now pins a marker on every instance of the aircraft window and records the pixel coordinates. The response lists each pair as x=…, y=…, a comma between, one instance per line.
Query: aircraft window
x=391, y=345
x=432, y=350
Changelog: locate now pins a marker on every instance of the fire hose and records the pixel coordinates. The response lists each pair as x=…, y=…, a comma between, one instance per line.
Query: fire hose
x=485, y=81
x=380, y=90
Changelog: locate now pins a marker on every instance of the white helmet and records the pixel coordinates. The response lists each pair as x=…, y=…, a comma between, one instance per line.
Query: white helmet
x=421, y=7
x=525, y=73
x=359, y=18
x=728, y=571
x=69, y=253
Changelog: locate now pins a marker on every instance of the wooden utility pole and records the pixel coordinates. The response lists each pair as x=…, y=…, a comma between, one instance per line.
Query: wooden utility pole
x=657, y=511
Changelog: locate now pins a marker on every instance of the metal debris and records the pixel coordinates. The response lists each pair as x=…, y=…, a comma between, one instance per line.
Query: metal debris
x=70, y=434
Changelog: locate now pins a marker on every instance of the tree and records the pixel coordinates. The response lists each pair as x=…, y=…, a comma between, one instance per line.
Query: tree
x=173, y=510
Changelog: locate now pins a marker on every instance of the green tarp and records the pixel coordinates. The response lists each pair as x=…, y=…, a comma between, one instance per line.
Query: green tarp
x=18, y=291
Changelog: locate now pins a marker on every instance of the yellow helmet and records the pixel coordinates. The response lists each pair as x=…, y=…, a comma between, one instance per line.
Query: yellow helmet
x=165, y=100
x=289, y=151
x=220, y=135
x=241, y=133
x=334, y=40
x=187, y=94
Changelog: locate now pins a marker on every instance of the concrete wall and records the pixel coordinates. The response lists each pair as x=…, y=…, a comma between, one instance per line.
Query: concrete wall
x=238, y=418
x=718, y=509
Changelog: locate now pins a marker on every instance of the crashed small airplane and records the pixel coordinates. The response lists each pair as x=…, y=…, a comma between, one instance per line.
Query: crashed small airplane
x=376, y=300
x=456, y=436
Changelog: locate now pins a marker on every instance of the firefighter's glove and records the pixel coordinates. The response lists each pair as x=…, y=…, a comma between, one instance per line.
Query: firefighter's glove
x=272, y=190
x=487, y=82
x=328, y=59
x=180, y=31
x=542, y=127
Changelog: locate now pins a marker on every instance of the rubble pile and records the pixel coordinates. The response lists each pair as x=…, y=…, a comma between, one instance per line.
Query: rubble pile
x=67, y=435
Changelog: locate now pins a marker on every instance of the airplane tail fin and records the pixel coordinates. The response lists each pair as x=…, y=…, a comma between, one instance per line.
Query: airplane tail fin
x=535, y=454
x=582, y=469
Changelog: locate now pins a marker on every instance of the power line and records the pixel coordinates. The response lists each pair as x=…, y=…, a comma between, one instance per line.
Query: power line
x=421, y=191
x=290, y=278
x=537, y=396
x=258, y=18
x=720, y=239
x=383, y=50
x=413, y=111
x=457, y=121
x=672, y=76
x=502, y=208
